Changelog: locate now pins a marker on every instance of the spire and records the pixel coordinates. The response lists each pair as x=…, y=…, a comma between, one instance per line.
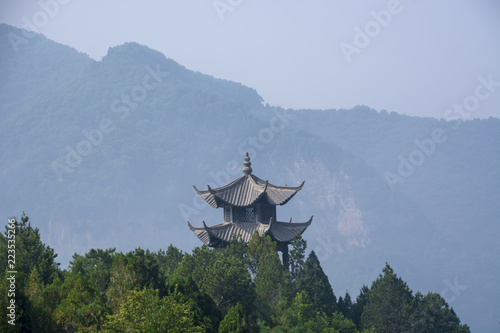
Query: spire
x=247, y=169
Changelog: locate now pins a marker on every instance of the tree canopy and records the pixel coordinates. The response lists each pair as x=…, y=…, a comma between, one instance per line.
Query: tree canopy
x=243, y=288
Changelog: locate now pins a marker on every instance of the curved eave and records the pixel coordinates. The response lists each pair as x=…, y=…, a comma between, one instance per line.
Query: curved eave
x=223, y=233
x=221, y=188
x=242, y=192
x=284, y=232
x=246, y=190
x=294, y=188
x=201, y=233
x=205, y=235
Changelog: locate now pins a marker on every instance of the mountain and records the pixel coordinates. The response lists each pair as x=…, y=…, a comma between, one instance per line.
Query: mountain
x=104, y=154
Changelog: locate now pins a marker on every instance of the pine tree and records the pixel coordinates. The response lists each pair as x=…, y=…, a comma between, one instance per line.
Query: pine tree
x=259, y=247
x=345, y=305
x=317, y=287
x=297, y=256
x=358, y=306
x=169, y=260
x=96, y=266
x=35, y=266
x=434, y=315
x=272, y=283
x=389, y=304
x=228, y=281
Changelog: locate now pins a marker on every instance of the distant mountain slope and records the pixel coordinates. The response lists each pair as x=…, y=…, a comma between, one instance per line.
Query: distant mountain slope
x=104, y=154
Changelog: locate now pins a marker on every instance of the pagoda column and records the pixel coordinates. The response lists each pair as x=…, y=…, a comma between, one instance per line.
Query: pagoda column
x=286, y=260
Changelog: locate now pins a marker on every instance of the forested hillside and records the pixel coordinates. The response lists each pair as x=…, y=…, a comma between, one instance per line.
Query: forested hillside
x=103, y=154
x=244, y=288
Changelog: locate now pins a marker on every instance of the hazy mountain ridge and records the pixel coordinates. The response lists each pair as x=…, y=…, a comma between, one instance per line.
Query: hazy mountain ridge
x=127, y=192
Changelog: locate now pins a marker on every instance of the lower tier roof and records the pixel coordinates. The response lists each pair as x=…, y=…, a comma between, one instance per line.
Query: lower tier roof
x=220, y=235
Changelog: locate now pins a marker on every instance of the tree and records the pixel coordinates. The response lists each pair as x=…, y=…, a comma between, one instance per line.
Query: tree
x=341, y=324
x=35, y=267
x=80, y=308
x=228, y=281
x=221, y=275
x=41, y=311
x=197, y=265
x=299, y=316
x=169, y=260
x=433, y=315
x=272, y=283
x=358, y=306
x=135, y=270
x=237, y=249
x=31, y=252
x=95, y=266
x=145, y=265
x=145, y=311
x=297, y=256
x=23, y=308
x=317, y=287
x=205, y=311
x=389, y=304
x=345, y=305
x=235, y=321
x=257, y=248
x=123, y=278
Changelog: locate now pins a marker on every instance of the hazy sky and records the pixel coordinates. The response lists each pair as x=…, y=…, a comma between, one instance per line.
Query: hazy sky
x=413, y=57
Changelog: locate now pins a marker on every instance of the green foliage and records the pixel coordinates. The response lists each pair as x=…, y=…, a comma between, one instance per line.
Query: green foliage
x=95, y=266
x=299, y=316
x=205, y=311
x=122, y=279
x=41, y=307
x=257, y=248
x=197, y=265
x=23, y=320
x=35, y=266
x=208, y=291
x=221, y=274
x=145, y=265
x=30, y=252
x=235, y=321
x=169, y=260
x=389, y=304
x=391, y=307
x=345, y=305
x=228, y=281
x=297, y=256
x=145, y=311
x=272, y=283
x=342, y=324
x=237, y=249
x=433, y=315
x=292, y=317
x=80, y=308
x=358, y=306
x=318, y=289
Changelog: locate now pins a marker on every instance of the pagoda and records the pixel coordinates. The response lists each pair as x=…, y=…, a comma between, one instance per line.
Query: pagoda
x=249, y=205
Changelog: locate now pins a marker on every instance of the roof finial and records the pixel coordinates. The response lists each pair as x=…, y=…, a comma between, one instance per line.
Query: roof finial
x=247, y=169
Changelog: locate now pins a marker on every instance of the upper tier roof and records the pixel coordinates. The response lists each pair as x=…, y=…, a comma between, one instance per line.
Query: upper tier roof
x=246, y=190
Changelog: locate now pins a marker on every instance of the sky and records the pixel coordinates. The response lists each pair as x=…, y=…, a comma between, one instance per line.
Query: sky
x=436, y=59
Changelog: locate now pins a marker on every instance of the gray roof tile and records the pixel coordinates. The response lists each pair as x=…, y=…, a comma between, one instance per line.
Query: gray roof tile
x=246, y=190
x=282, y=232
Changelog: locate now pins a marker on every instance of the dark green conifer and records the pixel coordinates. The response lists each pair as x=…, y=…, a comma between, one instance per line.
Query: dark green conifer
x=317, y=287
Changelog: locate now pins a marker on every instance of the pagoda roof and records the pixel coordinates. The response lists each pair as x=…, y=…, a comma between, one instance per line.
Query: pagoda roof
x=221, y=234
x=246, y=190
